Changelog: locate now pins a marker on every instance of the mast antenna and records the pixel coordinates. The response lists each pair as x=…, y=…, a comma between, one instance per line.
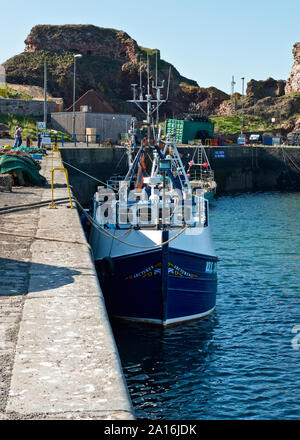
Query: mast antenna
x=148, y=73
x=156, y=67
x=141, y=87
x=169, y=79
x=149, y=105
x=232, y=94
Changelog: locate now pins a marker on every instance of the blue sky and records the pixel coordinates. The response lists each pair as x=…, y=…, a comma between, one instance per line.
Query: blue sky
x=208, y=41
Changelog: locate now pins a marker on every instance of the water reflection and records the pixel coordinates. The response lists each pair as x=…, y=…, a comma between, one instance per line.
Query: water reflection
x=162, y=365
x=239, y=363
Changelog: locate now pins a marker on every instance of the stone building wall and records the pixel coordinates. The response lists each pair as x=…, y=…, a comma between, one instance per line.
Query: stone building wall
x=26, y=108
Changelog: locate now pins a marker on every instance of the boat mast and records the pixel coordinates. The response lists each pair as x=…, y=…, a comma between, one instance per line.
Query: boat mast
x=149, y=106
x=201, y=162
x=145, y=103
x=131, y=145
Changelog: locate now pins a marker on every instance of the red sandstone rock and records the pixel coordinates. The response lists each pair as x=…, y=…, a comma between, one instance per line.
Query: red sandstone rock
x=293, y=84
x=110, y=64
x=84, y=39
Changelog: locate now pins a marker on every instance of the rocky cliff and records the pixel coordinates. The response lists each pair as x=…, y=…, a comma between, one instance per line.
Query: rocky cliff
x=262, y=89
x=88, y=40
x=271, y=99
x=267, y=99
x=293, y=84
x=110, y=63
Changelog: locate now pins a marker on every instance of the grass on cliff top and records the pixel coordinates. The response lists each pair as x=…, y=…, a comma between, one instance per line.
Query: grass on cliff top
x=146, y=50
x=33, y=62
x=44, y=31
x=188, y=87
x=8, y=92
x=232, y=124
x=291, y=95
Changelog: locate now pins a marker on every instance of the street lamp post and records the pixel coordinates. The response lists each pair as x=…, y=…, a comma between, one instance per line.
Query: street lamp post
x=242, y=125
x=45, y=93
x=74, y=94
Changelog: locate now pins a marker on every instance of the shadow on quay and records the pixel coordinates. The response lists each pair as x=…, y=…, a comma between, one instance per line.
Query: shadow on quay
x=21, y=278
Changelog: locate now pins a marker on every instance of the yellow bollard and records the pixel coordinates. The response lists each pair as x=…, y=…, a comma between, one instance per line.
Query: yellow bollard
x=52, y=204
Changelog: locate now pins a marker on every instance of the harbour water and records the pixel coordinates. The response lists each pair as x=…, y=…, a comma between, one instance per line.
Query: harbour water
x=243, y=361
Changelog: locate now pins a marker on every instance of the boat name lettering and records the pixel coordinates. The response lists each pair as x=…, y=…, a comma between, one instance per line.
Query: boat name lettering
x=210, y=267
x=156, y=270
x=144, y=273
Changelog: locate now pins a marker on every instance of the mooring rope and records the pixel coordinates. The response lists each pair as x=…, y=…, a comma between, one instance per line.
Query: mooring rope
x=88, y=175
x=295, y=165
x=33, y=204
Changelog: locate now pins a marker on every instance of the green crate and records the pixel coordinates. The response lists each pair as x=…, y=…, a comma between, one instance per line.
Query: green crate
x=186, y=131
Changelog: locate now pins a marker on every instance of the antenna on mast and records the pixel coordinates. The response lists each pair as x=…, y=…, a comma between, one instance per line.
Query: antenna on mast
x=141, y=88
x=169, y=79
x=232, y=93
x=148, y=74
x=141, y=102
x=134, y=86
x=156, y=87
x=156, y=67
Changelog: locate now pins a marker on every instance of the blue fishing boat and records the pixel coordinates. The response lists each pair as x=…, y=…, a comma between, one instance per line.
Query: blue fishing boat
x=151, y=237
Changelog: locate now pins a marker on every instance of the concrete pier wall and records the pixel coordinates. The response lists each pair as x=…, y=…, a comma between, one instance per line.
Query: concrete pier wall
x=57, y=352
x=236, y=168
